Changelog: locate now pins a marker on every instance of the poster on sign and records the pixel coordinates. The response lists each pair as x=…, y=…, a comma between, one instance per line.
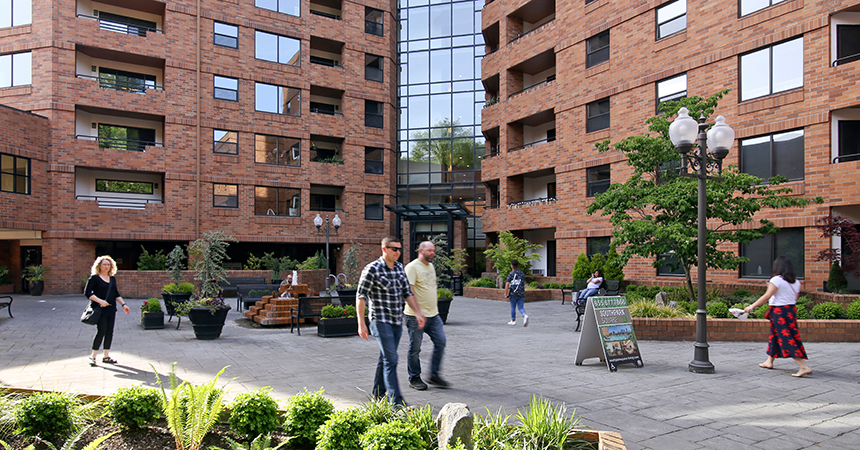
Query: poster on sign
x=608, y=334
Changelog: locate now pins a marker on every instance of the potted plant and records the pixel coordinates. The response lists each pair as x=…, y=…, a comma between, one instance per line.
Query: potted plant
x=5, y=286
x=209, y=312
x=35, y=274
x=176, y=292
x=444, y=297
x=151, y=315
x=336, y=321
x=207, y=316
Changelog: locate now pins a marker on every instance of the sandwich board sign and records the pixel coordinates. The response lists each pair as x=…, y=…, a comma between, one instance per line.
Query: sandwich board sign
x=608, y=333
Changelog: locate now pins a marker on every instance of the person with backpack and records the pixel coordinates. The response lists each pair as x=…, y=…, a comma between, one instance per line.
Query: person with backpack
x=594, y=284
x=515, y=291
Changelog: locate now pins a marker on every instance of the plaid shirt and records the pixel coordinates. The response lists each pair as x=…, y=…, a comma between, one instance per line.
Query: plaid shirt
x=385, y=291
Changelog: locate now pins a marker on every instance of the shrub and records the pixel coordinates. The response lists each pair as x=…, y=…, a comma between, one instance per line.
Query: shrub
x=828, y=311
x=553, y=285
x=151, y=261
x=759, y=312
x=335, y=311
x=687, y=306
x=391, y=436
x=802, y=312
x=343, y=430
x=836, y=281
x=854, y=310
x=259, y=293
x=647, y=308
x=314, y=262
x=151, y=305
x=422, y=419
x=677, y=294
x=134, y=407
x=4, y=274
x=254, y=413
x=718, y=310
x=444, y=294
x=485, y=282
x=492, y=432
x=378, y=410
x=47, y=415
x=191, y=410
x=304, y=414
x=545, y=426
x=534, y=285
x=582, y=267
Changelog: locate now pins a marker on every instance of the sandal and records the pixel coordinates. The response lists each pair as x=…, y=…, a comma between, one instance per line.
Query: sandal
x=108, y=360
x=92, y=360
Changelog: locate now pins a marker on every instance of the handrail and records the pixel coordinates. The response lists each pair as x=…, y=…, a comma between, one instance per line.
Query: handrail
x=118, y=86
x=519, y=35
x=119, y=26
x=324, y=61
x=850, y=155
x=109, y=140
x=374, y=28
x=315, y=109
x=550, y=78
x=325, y=14
x=853, y=57
x=494, y=151
x=112, y=199
x=532, y=201
x=530, y=144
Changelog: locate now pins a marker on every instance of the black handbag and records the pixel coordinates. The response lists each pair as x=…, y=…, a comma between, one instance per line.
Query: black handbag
x=92, y=314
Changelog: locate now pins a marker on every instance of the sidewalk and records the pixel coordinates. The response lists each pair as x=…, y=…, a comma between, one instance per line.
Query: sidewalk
x=488, y=363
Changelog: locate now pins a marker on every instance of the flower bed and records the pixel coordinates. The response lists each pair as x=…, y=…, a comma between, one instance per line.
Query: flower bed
x=532, y=295
x=752, y=330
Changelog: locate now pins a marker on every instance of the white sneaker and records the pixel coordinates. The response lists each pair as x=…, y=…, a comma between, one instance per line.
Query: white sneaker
x=513, y=322
x=525, y=321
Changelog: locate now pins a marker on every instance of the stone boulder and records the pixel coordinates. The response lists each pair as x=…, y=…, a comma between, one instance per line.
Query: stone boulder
x=454, y=422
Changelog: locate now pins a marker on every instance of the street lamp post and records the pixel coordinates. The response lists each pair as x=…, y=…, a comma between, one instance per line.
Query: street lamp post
x=318, y=222
x=684, y=133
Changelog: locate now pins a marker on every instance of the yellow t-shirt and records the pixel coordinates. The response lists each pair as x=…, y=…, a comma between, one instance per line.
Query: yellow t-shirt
x=423, y=278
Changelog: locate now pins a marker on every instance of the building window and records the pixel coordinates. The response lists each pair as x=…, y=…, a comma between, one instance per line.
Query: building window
x=671, y=89
x=119, y=137
x=225, y=142
x=597, y=49
x=597, y=246
x=551, y=190
x=290, y=7
x=226, y=35
x=773, y=69
x=373, y=116
x=124, y=187
x=278, y=99
x=671, y=18
x=373, y=160
x=120, y=80
x=751, y=6
x=16, y=69
x=597, y=115
x=14, y=174
x=373, y=67
x=762, y=252
x=597, y=179
x=671, y=267
x=226, y=88
x=15, y=12
x=323, y=202
x=847, y=43
x=271, y=201
x=225, y=195
x=849, y=140
x=550, y=135
x=284, y=151
x=373, y=21
x=373, y=207
x=279, y=49
x=774, y=154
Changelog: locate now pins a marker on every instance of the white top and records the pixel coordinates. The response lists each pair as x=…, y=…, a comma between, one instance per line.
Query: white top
x=786, y=294
x=596, y=284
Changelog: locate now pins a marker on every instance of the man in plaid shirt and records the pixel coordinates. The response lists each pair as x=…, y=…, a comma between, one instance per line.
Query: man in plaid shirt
x=385, y=288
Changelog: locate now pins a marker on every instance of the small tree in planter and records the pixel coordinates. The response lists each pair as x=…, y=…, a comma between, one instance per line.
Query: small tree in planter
x=151, y=315
x=351, y=265
x=508, y=249
x=176, y=292
x=35, y=275
x=209, y=312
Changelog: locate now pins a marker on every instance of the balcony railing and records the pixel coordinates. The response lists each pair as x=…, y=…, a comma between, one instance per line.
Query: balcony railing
x=846, y=59
x=530, y=144
x=491, y=101
x=325, y=14
x=374, y=120
x=371, y=27
x=548, y=79
x=846, y=158
x=137, y=86
x=534, y=201
x=324, y=61
x=373, y=74
x=324, y=109
x=120, y=144
x=533, y=29
x=119, y=202
x=123, y=25
x=493, y=151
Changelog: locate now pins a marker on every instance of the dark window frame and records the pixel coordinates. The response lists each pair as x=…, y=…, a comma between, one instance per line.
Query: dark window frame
x=316, y=198
x=278, y=49
x=595, y=185
x=377, y=213
x=278, y=9
x=771, y=3
x=373, y=166
x=12, y=69
x=658, y=26
x=769, y=48
x=843, y=138
x=376, y=28
x=370, y=118
x=126, y=81
x=598, y=55
x=6, y=174
x=664, y=271
x=594, y=118
x=280, y=100
x=295, y=201
x=226, y=40
x=224, y=91
x=593, y=243
x=138, y=145
x=669, y=97
x=799, y=263
x=217, y=143
x=374, y=73
x=772, y=154
x=226, y=197
x=291, y=152
x=842, y=58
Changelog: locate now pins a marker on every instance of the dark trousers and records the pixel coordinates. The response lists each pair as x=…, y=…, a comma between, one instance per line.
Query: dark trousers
x=104, y=331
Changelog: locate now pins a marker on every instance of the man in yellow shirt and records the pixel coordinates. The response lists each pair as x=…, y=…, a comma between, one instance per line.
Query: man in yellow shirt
x=422, y=280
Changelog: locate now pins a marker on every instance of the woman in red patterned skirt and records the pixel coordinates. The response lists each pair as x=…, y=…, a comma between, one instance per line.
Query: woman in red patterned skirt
x=781, y=295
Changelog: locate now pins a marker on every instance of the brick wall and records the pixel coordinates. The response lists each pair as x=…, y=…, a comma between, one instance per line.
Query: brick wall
x=752, y=330
x=148, y=283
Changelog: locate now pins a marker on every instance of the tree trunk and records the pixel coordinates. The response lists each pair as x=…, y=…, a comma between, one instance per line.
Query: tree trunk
x=689, y=279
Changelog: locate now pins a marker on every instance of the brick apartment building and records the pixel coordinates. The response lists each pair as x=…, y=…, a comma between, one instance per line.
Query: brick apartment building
x=563, y=75
x=144, y=122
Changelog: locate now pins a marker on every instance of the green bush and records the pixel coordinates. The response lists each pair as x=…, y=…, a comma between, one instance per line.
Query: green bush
x=391, y=436
x=335, y=311
x=47, y=415
x=151, y=261
x=687, y=306
x=718, y=310
x=314, y=262
x=759, y=312
x=259, y=293
x=647, y=308
x=4, y=274
x=134, y=407
x=254, y=413
x=181, y=288
x=343, y=430
x=854, y=310
x=828, y=311
x=582, y=267
x=423, y=421
x=304, y=414
x=553, y=285
x=836, y=281
x=151, y=305
x=544, y=425
x=677, y=294
x=534, y=285
x=485, y=282
x=443, y=294
x=802, y=312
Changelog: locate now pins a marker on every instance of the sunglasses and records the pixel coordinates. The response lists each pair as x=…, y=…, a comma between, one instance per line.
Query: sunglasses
x=395, y=249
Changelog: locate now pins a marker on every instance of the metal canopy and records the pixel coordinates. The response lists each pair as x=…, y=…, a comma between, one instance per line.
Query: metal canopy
x=429, y=211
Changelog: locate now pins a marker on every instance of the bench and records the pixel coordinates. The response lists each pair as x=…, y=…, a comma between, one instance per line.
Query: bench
x=578, y=285
x=308, y=308
x=244, y=300
x=6, y=304
x=609, y=287
x=228, y=287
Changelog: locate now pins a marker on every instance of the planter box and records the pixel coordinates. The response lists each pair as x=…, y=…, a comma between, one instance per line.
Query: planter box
x=605, y=440
x=152, y=320
x=532, y=295
x=735, y=330
x=207, y=326
x=341, y=326
x=444, y=307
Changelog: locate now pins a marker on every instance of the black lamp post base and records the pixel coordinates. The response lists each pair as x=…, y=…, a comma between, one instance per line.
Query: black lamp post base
x=701, y=367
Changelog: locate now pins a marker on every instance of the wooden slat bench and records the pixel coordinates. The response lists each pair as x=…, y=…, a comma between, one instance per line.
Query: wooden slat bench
x=228, y=288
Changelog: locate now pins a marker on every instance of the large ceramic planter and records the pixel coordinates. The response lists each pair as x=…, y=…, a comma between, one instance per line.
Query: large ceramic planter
x=152, y=320
x=341, y=326
x=444, y=307
x=346, y=297
x=605, y=440
x=207, y=326
x=36, y=287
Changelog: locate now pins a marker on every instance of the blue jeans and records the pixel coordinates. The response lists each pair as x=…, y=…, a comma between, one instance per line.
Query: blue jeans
x=584, y=295
x=517, y=303
x=385, y=381
x=433, y=328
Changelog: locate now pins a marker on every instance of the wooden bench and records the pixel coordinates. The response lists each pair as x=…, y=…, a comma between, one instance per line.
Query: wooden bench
x=228, y=288
x=244, y=300
x=6, y=304
x=308, y=308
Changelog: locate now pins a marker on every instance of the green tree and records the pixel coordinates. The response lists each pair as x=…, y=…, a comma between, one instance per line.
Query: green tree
x=655, y=211
x=351, y=264
x=582, y=267
x=508, y=249
x=447, y=146
x=614, y=268
x=209, y=253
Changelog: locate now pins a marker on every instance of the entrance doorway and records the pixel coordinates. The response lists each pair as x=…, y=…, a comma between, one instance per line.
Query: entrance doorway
x=30, y=255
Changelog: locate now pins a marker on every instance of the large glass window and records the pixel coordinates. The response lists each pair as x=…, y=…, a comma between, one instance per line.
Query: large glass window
x=16, y=69
x=671, y=89
x=762, y=252
x=597, y=115
x=120, y=137
x=597, y=245
x=597, y=179
x=291, y=7
x=849, y=140
x=226, y=35
x=225, y=142
x=847, y=43
x=373, y=67
x=280, y=150
x=373, y=160
x=278, y=99
x=126, y=25
x=751, y=6
x=225, y=195
x=597, y=49
x=671, y=267
x=373, y=115
x=124, y=187
x=373, y=207
x=272, y=201
x=226, y=88
x=773, y=69
x=15, y=12
x=373, y=21
x=774, y=154
x=276, y=48
x=671, y=18
x=121, y=80
x=14, y=174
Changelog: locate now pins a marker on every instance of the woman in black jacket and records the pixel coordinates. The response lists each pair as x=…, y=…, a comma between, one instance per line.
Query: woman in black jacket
x=101, y=290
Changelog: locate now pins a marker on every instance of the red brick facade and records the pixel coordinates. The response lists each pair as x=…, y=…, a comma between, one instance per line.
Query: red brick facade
x=708, y=51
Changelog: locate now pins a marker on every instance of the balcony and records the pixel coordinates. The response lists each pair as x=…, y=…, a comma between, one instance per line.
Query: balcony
x=116, y=189
x=119, y=71
x=326, y=101
x=530, y=17
x=532, y=73
x=326, y=149
x=491, y=38
x=326, y=198
x=119, y=130
x=531, y=131
x=332, y=9
x=135, y=18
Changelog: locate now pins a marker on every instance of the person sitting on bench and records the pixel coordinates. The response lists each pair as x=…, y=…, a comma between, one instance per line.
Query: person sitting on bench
x=594, y=284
